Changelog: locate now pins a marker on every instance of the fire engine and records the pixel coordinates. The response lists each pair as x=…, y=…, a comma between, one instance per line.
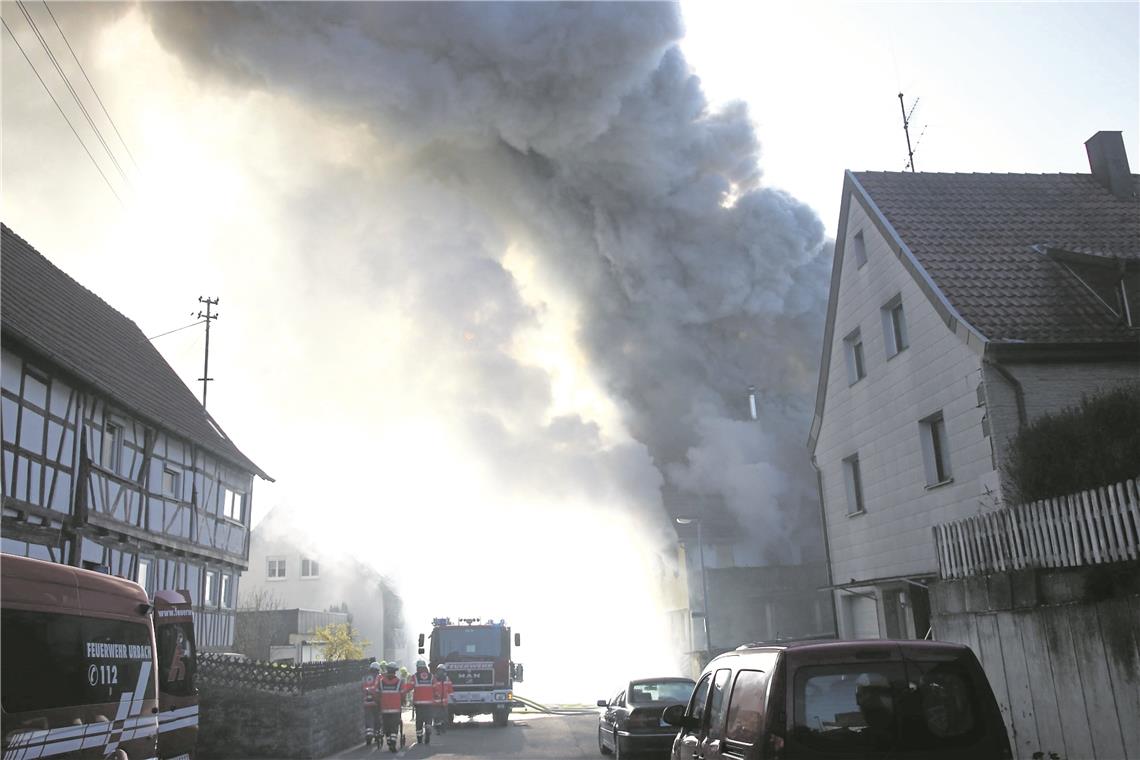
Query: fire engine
x=477, y=658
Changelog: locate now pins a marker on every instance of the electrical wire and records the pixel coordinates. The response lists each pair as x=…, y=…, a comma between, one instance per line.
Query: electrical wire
x=61, y=112
x=176, y=329
x=90, y=84
x=74, y=95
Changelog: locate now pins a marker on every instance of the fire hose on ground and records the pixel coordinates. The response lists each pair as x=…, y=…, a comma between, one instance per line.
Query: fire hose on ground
x=556, y=709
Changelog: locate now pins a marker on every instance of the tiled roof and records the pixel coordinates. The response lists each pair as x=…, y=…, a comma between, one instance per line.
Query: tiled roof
x=982, y=239
x=55, y=316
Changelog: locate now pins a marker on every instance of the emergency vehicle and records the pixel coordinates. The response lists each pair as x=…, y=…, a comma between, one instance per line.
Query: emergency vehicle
x=477, y=659
x=83, y=674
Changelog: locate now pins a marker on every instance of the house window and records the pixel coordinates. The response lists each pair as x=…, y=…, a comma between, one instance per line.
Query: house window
x=112, y=440
x=233, y=505
x=894, y=326
x=275, y=568
x=212, y=588
x=935, y=449
x=227, y=591
x=310, y=568
x=853, y=347
x=853, y=476
x=143, y=573
x=860, y=250
x=171, y=483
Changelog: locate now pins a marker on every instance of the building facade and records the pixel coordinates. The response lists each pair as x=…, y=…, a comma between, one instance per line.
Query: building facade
x=109, y=461
x=962, y=307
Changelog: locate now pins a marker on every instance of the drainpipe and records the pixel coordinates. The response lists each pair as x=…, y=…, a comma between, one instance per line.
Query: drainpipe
x=826, y=544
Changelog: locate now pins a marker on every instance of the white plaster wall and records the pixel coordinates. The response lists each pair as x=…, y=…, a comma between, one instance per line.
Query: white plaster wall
x=878, y=418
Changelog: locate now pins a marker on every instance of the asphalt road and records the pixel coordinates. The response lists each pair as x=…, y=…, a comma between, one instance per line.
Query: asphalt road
x=533, y=737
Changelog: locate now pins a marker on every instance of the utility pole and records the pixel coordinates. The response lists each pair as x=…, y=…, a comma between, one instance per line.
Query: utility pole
x=209, y=317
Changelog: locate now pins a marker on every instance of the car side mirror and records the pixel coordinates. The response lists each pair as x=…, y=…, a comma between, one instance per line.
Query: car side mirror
x=603, y=703
x=674, y=715
x=421, y=643
x=518, y=639
x=517, y=675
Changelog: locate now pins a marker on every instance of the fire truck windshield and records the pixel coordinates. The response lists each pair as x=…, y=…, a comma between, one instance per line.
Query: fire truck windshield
x=469, y=642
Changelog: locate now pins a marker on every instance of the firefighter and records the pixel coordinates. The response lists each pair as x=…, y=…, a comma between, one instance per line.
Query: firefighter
x=391, y=691
x=372, y=727
x=441, y=695
x=423, y=700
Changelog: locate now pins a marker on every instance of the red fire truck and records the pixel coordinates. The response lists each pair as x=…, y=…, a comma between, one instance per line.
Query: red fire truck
x=80, y=651
x=477, y=658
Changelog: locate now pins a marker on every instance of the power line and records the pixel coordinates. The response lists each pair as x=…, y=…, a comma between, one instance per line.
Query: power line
x=90, y=84
x=176, y=329
x=74, y=95
x=61, y=111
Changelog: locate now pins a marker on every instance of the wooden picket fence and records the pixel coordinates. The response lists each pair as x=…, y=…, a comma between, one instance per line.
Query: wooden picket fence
x=1087, y=528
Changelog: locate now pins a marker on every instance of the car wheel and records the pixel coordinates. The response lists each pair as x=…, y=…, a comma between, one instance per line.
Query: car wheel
x=602, y=745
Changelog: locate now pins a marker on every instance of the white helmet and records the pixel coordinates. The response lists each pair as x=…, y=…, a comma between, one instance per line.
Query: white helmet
x=375, y=666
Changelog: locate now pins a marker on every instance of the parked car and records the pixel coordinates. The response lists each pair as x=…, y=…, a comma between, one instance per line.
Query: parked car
x=903, y=700
x=631, y=721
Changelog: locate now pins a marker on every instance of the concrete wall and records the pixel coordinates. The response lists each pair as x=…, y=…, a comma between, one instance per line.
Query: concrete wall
x=245, y=723
x=1061, y=649
x=878, y=419
x=1045, y=388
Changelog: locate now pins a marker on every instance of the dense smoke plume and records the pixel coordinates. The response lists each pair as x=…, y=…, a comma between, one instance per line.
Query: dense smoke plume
x=577, y=136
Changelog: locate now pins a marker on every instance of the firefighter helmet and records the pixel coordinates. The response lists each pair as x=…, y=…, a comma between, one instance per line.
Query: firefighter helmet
x=391, y=668
x=420, y=664
x=375, y=666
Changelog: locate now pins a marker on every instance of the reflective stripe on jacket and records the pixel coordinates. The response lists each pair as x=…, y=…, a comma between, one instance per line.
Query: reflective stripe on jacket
x=391, y=690
x=422, y=691
x=441, y=690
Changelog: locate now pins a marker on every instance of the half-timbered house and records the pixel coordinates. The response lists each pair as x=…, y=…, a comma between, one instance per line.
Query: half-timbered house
x=109, y=461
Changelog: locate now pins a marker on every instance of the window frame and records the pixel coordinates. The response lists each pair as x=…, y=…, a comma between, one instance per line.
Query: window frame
x=114, y=452
x=231, y=497
x=936, y=450
x=312, y=564
x=859, y=243
x=705, y=680
x=765, y=677
x=212, y=592
x=176, y=491
x=895, y=335
x=856, y=356
x=853, y=484
x=717, y=711
x=270, y=561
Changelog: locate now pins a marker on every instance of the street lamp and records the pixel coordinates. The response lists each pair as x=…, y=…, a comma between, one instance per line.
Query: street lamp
x=704, y=581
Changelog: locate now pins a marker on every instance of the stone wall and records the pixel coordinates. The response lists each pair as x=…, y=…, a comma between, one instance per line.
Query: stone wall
x=248, y=723
x=1061, y=648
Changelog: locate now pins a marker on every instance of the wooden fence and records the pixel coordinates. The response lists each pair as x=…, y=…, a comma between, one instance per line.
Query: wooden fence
x=1087, y=528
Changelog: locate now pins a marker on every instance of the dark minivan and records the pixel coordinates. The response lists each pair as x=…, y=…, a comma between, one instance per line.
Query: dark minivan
x=901, y=700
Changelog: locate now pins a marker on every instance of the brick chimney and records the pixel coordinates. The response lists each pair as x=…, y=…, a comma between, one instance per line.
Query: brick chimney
x=1109, y=163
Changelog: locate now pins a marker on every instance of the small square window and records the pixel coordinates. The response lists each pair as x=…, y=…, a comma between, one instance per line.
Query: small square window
x=112, y=440
x=860, y=249
x=935, y=450
x=233, y=505
x=310, y=568
x=853, y=347
x=894, y=326
x=275, y=568
x=853, y=477
x=171, y=483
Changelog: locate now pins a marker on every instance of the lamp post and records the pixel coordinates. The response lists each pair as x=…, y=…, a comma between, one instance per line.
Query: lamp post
x=704, y=581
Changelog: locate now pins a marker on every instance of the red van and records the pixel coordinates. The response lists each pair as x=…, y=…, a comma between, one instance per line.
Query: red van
x=842, y=700
x=78, y=662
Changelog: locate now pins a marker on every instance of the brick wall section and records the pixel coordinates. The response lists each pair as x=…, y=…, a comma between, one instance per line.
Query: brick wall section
x=878, y=418
x=245, y=723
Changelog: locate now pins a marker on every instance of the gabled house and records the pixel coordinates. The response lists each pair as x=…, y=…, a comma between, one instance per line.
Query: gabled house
x=109, y=461
x=962, y=307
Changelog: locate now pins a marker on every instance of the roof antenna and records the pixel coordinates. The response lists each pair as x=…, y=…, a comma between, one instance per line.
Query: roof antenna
x=906, y=130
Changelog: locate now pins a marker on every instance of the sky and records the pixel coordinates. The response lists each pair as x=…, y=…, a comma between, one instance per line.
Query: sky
x=497, y=278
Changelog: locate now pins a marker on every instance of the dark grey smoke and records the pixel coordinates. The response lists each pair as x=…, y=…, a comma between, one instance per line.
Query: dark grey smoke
x=578, y=133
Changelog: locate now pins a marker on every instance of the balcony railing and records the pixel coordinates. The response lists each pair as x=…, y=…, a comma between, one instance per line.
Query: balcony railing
x=1087, y=528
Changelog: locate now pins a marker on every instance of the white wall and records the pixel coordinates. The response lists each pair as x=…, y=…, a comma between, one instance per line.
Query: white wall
x=878, y=418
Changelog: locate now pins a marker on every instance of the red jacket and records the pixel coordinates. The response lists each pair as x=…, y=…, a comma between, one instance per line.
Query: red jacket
x=423, y=692
x=441, y=690
x=391, y=690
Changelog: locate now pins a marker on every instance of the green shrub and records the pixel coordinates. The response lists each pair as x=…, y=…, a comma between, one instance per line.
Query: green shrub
x=1094, y=444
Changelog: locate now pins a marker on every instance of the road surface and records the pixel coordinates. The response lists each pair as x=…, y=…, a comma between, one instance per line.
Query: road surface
x=533, y=737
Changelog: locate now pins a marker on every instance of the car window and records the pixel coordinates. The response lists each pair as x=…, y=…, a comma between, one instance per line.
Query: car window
x=848, y=708
x=700, y=698
x=942, y=706
x=619, y=700
x=717, y=704
x=746, y=707
x=660, y=691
